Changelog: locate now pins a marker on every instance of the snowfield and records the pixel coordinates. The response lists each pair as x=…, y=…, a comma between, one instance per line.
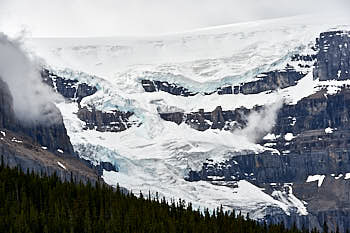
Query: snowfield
x=156, y=155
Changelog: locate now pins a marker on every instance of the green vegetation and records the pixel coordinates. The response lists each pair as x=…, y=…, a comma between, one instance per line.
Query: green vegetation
x=33, y=203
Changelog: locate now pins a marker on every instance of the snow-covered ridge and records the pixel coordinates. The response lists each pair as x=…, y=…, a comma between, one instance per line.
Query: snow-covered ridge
x=228, y=54
x=156, y=155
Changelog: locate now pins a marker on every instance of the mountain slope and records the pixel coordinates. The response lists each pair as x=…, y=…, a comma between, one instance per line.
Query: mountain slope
x=155, y=114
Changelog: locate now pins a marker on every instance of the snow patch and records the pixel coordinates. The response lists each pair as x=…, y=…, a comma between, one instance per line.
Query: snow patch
x=314, y=178
x=289, y=137
x=16, y=140
x=347, y=176
x=270, y=137
x=290, y=199
x=328, y=130
x=61, y=165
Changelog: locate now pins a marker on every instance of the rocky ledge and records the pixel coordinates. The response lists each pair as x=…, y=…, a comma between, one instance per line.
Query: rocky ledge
x=309, y=146
x=42, y=148
x=267, y=81
x=70, y=89
x=74, y=90
x=53, y=136
x=113, y=121
x=217, y=119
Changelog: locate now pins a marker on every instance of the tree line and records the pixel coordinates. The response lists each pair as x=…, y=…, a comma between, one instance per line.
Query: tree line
x=38, y=203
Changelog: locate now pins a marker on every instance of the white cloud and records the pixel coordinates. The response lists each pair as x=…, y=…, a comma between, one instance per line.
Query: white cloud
x=138, y=17
x=32, y=100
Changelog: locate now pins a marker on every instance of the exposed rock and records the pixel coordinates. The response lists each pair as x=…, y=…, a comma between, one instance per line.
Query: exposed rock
x=226, y=91
x=114, y=121
x=70, y=89
x=54, y=136
x=217, y=119
x=107, y=166
x=270, y=167
x=268, y=81
x=333, y=58
x=177, y=117
x=326, y=203
x=17, y=150
x=272, y=81
x=153, y=86
x=311, y=137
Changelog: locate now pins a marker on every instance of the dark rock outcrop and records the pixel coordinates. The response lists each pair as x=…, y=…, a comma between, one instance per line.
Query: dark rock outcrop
x=318, y=143
x=272, y=81
x=17, y=150
x=333, y=58
x=70, y=89
x=114, y=121
x=53, y=136
x=41, y=148
x=153, y=86
x=217, y=119
x=271, y=167
x=267, y=81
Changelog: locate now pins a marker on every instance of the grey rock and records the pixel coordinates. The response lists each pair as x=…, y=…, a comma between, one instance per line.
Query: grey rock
x=333, y=58
x=115, y=121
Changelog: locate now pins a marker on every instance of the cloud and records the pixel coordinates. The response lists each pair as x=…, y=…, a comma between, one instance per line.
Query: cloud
x=32, y=100
x=261, y=122
x=74, y=18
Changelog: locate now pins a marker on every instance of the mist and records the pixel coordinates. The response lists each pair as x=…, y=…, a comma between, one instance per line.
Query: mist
x=32, y=99
x=261, y=122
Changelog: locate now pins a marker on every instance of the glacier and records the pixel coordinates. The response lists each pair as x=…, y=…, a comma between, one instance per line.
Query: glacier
x=155, y=155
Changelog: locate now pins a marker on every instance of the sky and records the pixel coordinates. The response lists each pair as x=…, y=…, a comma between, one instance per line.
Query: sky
x=94, y=18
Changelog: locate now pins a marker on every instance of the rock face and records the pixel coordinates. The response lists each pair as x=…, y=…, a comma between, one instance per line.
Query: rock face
x=42, y=148
x=153, y=86
x=17, y=150
x=333, y=58
x=114, y=121
x=53, y=136
x=217, y=119
x=73, y=90
x=274, y=168
x=268, y=81
x=310, y=138
x=70, y=89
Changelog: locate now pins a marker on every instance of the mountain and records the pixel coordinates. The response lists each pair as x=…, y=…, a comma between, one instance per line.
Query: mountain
x=250, y=116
